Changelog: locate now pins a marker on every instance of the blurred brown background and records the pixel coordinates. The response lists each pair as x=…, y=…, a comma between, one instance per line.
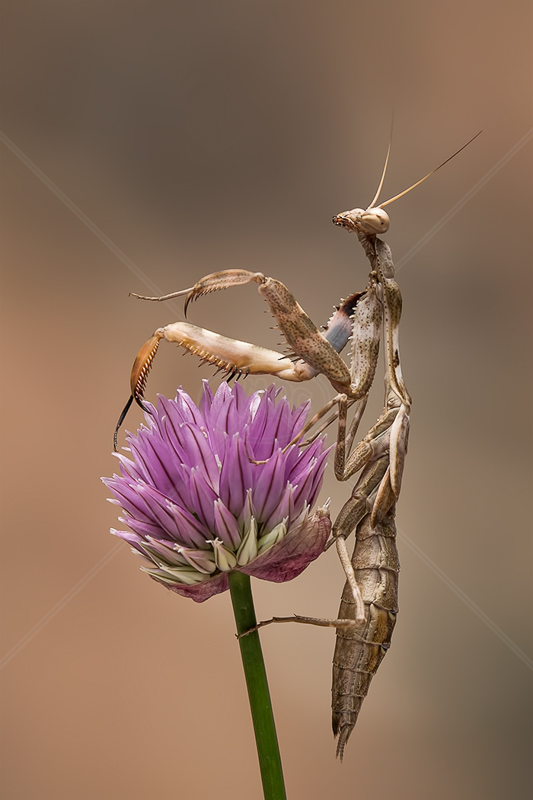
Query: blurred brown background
x=199, y=136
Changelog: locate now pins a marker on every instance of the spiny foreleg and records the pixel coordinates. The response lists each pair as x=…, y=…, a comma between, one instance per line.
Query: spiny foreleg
x=320, y=350
x=230, y=356
x=313, y=351
x=302, y=336
x=235, y=358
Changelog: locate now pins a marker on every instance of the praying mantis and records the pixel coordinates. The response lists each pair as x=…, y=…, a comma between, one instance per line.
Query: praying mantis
x=369, y=604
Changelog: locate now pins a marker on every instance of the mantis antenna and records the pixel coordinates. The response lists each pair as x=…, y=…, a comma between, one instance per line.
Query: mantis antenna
x=382, y=181
x=396, y=197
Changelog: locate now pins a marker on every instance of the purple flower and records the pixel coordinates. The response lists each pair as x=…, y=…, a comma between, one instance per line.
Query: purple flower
x=198, y=503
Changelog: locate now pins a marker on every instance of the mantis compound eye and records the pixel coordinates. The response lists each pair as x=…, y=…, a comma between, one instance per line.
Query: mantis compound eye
x=374, y=220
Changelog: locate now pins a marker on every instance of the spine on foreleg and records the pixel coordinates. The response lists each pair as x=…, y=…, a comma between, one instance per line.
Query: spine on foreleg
x=360, y=650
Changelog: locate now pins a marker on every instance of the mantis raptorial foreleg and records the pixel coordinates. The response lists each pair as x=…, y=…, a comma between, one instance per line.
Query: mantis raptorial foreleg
x=312, y=351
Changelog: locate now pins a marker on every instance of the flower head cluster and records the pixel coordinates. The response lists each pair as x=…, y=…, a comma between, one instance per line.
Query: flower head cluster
x=213, y=489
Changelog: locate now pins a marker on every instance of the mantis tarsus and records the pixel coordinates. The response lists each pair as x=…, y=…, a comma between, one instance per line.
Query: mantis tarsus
x=369, y=606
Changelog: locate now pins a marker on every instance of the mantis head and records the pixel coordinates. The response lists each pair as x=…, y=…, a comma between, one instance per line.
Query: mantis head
x=374, y=219
x=370, y=220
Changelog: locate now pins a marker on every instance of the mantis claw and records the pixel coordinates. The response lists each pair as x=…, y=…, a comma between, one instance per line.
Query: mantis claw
x=139, y=374
x=217, y=281
x=142, y=366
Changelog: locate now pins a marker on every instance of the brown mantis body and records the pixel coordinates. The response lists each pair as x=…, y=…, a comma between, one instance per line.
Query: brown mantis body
x=367, y=615
x=369, y=602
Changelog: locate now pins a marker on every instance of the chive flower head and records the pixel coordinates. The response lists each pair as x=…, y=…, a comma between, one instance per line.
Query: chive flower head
x=213, y=489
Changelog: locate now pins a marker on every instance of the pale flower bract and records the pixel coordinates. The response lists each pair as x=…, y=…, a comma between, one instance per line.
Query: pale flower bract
x=198, y=504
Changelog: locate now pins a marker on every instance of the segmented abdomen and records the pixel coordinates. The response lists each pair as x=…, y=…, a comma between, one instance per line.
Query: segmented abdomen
x=359, y=651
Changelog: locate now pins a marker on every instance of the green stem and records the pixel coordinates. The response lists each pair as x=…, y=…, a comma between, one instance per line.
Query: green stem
x=257, y=684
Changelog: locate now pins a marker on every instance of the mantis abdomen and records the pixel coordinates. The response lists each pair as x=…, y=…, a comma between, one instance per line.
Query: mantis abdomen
x=360, y=650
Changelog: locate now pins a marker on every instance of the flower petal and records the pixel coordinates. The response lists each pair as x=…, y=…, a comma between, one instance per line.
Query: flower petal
x=128, y=498
x=248, y=549
x=269, y=486
x=235, y=475
x=173, y=575
x=301, y=492
x=318, y=477
x=201, y=591
x=302, y=465
x=220, y=409
x=187, y=407
x=199, y=454
x=144, y=529
x=206, y=401
x=132, y=539
x=159, y=506
x=191, y=530
x=281, y=511
x=203, y=498
x=226, y=527
x=279, y=424
x=247, y=512
x=201, y=560
x=224, y=558
x=165, y=551
x=154, y=457
x=287, y=559
x=273, y=537
x=299, y=417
